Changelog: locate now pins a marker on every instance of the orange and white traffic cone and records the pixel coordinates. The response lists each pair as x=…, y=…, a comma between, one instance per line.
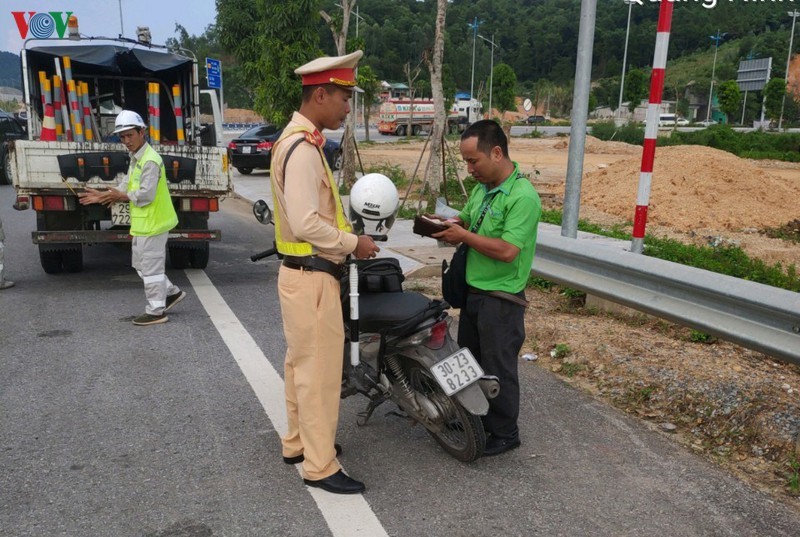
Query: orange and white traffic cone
x=49, y=125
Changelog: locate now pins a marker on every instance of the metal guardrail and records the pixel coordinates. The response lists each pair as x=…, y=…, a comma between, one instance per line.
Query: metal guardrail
x=756, y=316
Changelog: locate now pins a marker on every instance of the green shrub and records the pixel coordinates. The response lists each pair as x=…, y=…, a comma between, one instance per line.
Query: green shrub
x=629, y=133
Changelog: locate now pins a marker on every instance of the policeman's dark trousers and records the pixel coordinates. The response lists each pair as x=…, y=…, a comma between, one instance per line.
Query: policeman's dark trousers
x=493, y=329
x=148, y=257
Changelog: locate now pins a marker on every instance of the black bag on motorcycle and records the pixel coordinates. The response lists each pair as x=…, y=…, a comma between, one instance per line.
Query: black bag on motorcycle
x=454, y=278
x=381, y=275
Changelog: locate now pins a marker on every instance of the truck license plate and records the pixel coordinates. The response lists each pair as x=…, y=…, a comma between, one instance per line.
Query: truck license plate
x=457, y=371
x=121, y=214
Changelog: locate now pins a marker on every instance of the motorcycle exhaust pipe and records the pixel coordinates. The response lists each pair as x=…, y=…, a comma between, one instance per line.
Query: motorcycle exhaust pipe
x=490, y=386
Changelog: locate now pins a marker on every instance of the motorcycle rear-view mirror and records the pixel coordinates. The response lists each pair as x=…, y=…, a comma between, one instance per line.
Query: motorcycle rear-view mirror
x=262, y=212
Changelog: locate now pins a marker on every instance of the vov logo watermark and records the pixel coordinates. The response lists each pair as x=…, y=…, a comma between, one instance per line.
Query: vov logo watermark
x=41, y=25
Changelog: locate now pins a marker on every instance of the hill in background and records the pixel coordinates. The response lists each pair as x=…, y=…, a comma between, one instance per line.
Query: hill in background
x=10, y=70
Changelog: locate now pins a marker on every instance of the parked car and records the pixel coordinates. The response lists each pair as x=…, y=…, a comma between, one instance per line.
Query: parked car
x=253, y=149
x=10, y=129
x=707, y=123
x=536, y=119
x=682, y=122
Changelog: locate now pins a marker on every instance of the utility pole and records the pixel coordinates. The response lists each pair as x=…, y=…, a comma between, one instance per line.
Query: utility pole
x=474, y=27
x=716, y=38
x=491, y=69
x=793, y=14
x=624, y=57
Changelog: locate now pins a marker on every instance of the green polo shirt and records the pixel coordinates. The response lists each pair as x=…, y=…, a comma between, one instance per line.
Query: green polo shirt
x=512, y=216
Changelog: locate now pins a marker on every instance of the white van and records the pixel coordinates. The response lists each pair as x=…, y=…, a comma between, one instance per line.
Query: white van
x=667, y=120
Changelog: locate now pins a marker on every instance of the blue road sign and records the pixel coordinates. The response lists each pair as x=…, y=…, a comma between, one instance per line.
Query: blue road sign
x=214, y=81
x=213, y=67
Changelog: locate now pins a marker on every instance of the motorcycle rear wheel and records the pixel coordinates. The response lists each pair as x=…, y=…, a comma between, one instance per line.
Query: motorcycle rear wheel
x=461, y=434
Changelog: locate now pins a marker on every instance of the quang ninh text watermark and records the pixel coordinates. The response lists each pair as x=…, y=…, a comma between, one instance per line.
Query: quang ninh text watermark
x=710, y=4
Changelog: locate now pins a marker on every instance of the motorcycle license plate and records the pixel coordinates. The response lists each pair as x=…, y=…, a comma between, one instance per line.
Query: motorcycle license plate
x=121, y=214
x=457, y=371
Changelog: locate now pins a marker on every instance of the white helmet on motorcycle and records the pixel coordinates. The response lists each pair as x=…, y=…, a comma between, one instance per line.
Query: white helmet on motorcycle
x=128, y=119
x=373, y=204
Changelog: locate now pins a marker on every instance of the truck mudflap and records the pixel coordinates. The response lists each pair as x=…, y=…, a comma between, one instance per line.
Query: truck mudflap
x=98, y=236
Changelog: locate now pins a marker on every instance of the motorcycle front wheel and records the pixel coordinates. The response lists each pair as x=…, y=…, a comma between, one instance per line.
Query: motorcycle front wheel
x=460, y=433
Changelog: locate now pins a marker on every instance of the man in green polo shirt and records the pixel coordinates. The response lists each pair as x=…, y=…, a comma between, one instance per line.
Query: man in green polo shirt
x=499, y=261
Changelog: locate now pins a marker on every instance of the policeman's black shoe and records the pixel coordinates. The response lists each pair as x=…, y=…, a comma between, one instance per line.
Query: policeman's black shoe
x=496, y=446
x=174, y=299
x=301, y=458
x=338, y=483
x=148, y=319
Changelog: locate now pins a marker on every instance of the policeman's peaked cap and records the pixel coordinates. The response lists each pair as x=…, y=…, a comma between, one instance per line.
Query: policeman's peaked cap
x=337, y=70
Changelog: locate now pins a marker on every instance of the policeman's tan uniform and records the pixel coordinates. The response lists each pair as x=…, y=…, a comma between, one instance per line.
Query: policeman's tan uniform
x=314, y=235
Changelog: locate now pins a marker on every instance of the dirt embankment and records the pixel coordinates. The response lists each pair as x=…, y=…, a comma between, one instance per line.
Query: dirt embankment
x=698, y=194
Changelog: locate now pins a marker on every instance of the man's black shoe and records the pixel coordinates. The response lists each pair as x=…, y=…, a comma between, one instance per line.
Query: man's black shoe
x=496, y=446
x=301, y=458
x=338, y=483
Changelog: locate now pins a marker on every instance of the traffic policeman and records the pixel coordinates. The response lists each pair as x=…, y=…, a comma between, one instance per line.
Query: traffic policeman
x=315, y=237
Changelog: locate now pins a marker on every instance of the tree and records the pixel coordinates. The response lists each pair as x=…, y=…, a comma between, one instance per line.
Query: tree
x=505, y=88
x=773, y=96
x=434, y=60
x=635, y=88
x=339, y=28
x=730, y=98
x=368, y=82
x=256, y=33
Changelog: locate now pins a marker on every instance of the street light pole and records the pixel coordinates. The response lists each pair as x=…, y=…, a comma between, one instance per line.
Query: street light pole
x=793, y=14
x=121, y=28
x=716, y=38
x=491, y=69
x=624, y=57
x=474, y=27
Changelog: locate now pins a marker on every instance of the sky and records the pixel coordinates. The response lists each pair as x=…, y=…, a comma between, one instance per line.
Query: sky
x=102, y=18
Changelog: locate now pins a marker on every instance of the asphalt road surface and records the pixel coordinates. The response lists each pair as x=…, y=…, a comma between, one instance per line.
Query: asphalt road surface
x=108, y=429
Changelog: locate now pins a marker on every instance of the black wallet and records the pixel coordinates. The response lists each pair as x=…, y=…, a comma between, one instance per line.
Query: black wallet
x=427, y=227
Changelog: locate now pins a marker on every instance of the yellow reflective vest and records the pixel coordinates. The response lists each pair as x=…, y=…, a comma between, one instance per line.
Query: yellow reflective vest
x=305, y=248
x=159, y=215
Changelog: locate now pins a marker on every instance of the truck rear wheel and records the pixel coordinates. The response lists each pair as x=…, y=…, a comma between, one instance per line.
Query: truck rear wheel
x=401, y=130
x=199, y=256
x=51, y=260
x=415, y=130
x=179, y=258
x=72, y=260
x=5, y=169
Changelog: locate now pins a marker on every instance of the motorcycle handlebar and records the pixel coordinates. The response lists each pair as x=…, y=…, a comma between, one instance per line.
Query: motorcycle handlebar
x=262, y=255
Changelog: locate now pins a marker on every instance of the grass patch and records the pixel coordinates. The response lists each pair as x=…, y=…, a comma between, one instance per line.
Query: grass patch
x=560, y=350
x=722, y=259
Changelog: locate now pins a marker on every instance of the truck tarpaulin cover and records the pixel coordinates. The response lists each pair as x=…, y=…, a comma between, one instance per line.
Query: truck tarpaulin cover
x=112, y=59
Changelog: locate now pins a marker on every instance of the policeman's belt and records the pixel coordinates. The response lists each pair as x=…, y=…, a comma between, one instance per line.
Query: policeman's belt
x=313, y=263
x=502, y=295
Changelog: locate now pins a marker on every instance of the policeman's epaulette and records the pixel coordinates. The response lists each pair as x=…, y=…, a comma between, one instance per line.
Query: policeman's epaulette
x=314, y=138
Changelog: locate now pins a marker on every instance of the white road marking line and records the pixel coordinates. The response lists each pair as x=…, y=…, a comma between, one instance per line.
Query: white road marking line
x=346, y=515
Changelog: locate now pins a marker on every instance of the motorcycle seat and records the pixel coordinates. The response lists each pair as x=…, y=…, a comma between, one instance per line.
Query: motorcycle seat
x=395, y=313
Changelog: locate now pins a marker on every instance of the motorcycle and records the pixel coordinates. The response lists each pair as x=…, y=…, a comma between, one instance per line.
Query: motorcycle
x=401, y=351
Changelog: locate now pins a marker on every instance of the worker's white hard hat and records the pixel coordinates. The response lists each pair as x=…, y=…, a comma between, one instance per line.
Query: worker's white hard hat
x=126, y=120
x=373, y=200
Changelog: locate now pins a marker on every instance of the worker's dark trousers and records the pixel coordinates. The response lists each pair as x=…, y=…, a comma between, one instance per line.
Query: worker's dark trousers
x=493, y=329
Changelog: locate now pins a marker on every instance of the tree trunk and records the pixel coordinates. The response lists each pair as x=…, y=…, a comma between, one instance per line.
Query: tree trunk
x=366, y=122
x=440, y=113
x=348, y=173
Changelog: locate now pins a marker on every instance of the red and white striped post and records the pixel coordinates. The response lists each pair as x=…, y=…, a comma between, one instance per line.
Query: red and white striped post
x=651, y=126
